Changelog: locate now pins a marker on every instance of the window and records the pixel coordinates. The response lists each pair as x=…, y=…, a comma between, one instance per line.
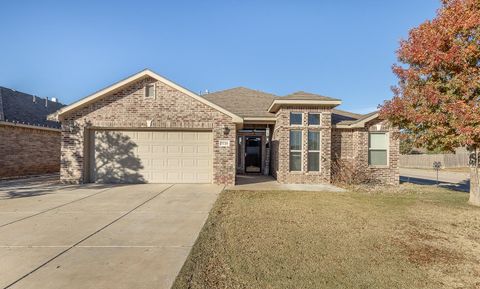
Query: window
x=295, y=118
x=313, y=119
x=314, y=151
x=377, y=149
x=150, y=90
x=295, y=150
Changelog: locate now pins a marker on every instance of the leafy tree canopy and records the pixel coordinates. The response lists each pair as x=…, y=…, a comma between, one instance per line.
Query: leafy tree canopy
x=437, y=98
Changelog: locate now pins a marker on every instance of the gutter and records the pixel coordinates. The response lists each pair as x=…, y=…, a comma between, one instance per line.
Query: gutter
x=30, y=126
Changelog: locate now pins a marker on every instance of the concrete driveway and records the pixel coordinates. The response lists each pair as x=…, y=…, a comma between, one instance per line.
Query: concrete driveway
x=131, y=236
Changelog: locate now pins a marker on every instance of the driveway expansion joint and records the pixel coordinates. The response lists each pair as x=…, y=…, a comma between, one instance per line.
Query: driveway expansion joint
x=87, y=237
x=56, y=207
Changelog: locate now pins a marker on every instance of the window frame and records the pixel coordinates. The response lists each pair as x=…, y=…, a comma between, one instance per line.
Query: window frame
x=319, y=119
x=154, y=96
x=290, y=119
x=297, y=151
x=314, y=151
x=387, y=149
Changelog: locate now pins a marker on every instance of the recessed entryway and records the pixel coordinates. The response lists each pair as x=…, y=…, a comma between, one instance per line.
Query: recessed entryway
x=253, y=154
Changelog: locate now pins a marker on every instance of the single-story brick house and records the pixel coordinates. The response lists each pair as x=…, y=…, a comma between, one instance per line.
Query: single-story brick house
x=29, y=143
x=146, y=128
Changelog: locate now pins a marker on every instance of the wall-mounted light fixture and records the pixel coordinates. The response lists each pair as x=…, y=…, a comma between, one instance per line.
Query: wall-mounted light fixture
x=226, y=130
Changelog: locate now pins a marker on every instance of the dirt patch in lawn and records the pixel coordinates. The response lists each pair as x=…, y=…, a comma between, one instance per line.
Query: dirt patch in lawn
x=409, y=237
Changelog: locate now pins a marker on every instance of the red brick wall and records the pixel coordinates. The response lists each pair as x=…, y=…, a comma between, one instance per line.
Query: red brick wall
x=128, y=108
x=350, y=149
x=28, y=151
x=281, y=147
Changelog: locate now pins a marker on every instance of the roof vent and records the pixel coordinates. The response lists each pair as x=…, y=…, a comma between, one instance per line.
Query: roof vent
x=46, y=101
x=34, y=99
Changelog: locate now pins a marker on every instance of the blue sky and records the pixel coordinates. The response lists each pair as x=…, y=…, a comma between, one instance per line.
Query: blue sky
x=342, y=49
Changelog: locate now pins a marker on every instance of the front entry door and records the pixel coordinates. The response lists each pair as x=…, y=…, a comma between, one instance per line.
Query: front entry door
x=253, y=154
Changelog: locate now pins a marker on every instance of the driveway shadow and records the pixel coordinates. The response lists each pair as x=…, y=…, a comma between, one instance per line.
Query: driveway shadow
x=34, y=186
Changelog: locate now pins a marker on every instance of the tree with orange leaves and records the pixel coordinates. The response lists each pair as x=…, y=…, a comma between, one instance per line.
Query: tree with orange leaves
x=437, y=99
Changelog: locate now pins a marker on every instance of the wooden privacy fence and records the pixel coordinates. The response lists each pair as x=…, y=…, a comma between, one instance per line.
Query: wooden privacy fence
x=458, y=160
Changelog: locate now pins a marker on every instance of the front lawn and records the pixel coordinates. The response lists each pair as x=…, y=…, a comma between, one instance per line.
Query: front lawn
x=410, y=237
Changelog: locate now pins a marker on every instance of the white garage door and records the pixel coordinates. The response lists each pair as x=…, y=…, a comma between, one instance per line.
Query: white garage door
x=152, y=156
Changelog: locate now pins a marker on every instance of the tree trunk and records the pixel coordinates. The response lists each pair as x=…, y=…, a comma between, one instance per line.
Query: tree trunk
x=474, y=178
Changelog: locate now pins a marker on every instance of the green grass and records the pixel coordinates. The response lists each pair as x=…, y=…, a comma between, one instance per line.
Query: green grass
x=409, y=237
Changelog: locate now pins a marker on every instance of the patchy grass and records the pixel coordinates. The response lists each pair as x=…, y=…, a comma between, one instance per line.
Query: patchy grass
x=406, y=237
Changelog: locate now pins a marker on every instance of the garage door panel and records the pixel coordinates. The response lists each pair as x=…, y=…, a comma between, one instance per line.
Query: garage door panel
x=143, y=135
x=152, y=156
x=174, y=136
x=204, y=137
x=188, y=149
x=203, y=177
x=158, y=149
x=204, y=149
x=189, y=137
x=174, y=148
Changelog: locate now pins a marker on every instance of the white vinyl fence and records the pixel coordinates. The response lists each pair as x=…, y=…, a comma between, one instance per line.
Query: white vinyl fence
x=458, y=160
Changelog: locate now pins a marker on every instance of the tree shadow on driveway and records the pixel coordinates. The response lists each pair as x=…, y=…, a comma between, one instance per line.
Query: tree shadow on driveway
x=34, y=186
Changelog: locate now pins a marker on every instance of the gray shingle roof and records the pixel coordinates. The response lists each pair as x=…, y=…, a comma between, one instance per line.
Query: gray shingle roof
x=243, y=101
x=353, y=121
x=340, y=116
x=247, y=102
x=302, y=95
x=20, y=107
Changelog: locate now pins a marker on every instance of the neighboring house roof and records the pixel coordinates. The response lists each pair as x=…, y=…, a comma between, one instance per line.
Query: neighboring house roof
x=125, y=82
x=23, y=108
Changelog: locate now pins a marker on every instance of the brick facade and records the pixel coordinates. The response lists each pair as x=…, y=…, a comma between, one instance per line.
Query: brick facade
x=28, y=151
x=281, y=146
x=128, y=108
x=347, y=148
x=341, y=149
x=350, y=153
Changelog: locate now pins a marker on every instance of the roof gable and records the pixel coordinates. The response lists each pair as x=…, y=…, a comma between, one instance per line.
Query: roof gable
x=125, y=82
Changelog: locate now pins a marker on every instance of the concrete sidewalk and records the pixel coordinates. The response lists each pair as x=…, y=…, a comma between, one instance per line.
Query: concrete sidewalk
x=268, y=183
x=130, y=236
x=453, y=180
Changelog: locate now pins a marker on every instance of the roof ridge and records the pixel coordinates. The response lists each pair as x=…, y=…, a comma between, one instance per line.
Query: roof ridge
x=17, y=92
x=242, y=87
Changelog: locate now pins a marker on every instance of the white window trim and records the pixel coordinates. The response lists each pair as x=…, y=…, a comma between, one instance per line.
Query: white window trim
x=154, y=91
x=316, y=151
x=290, y=119
x=319, y=117
x=295, y=151
x=387, y=135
